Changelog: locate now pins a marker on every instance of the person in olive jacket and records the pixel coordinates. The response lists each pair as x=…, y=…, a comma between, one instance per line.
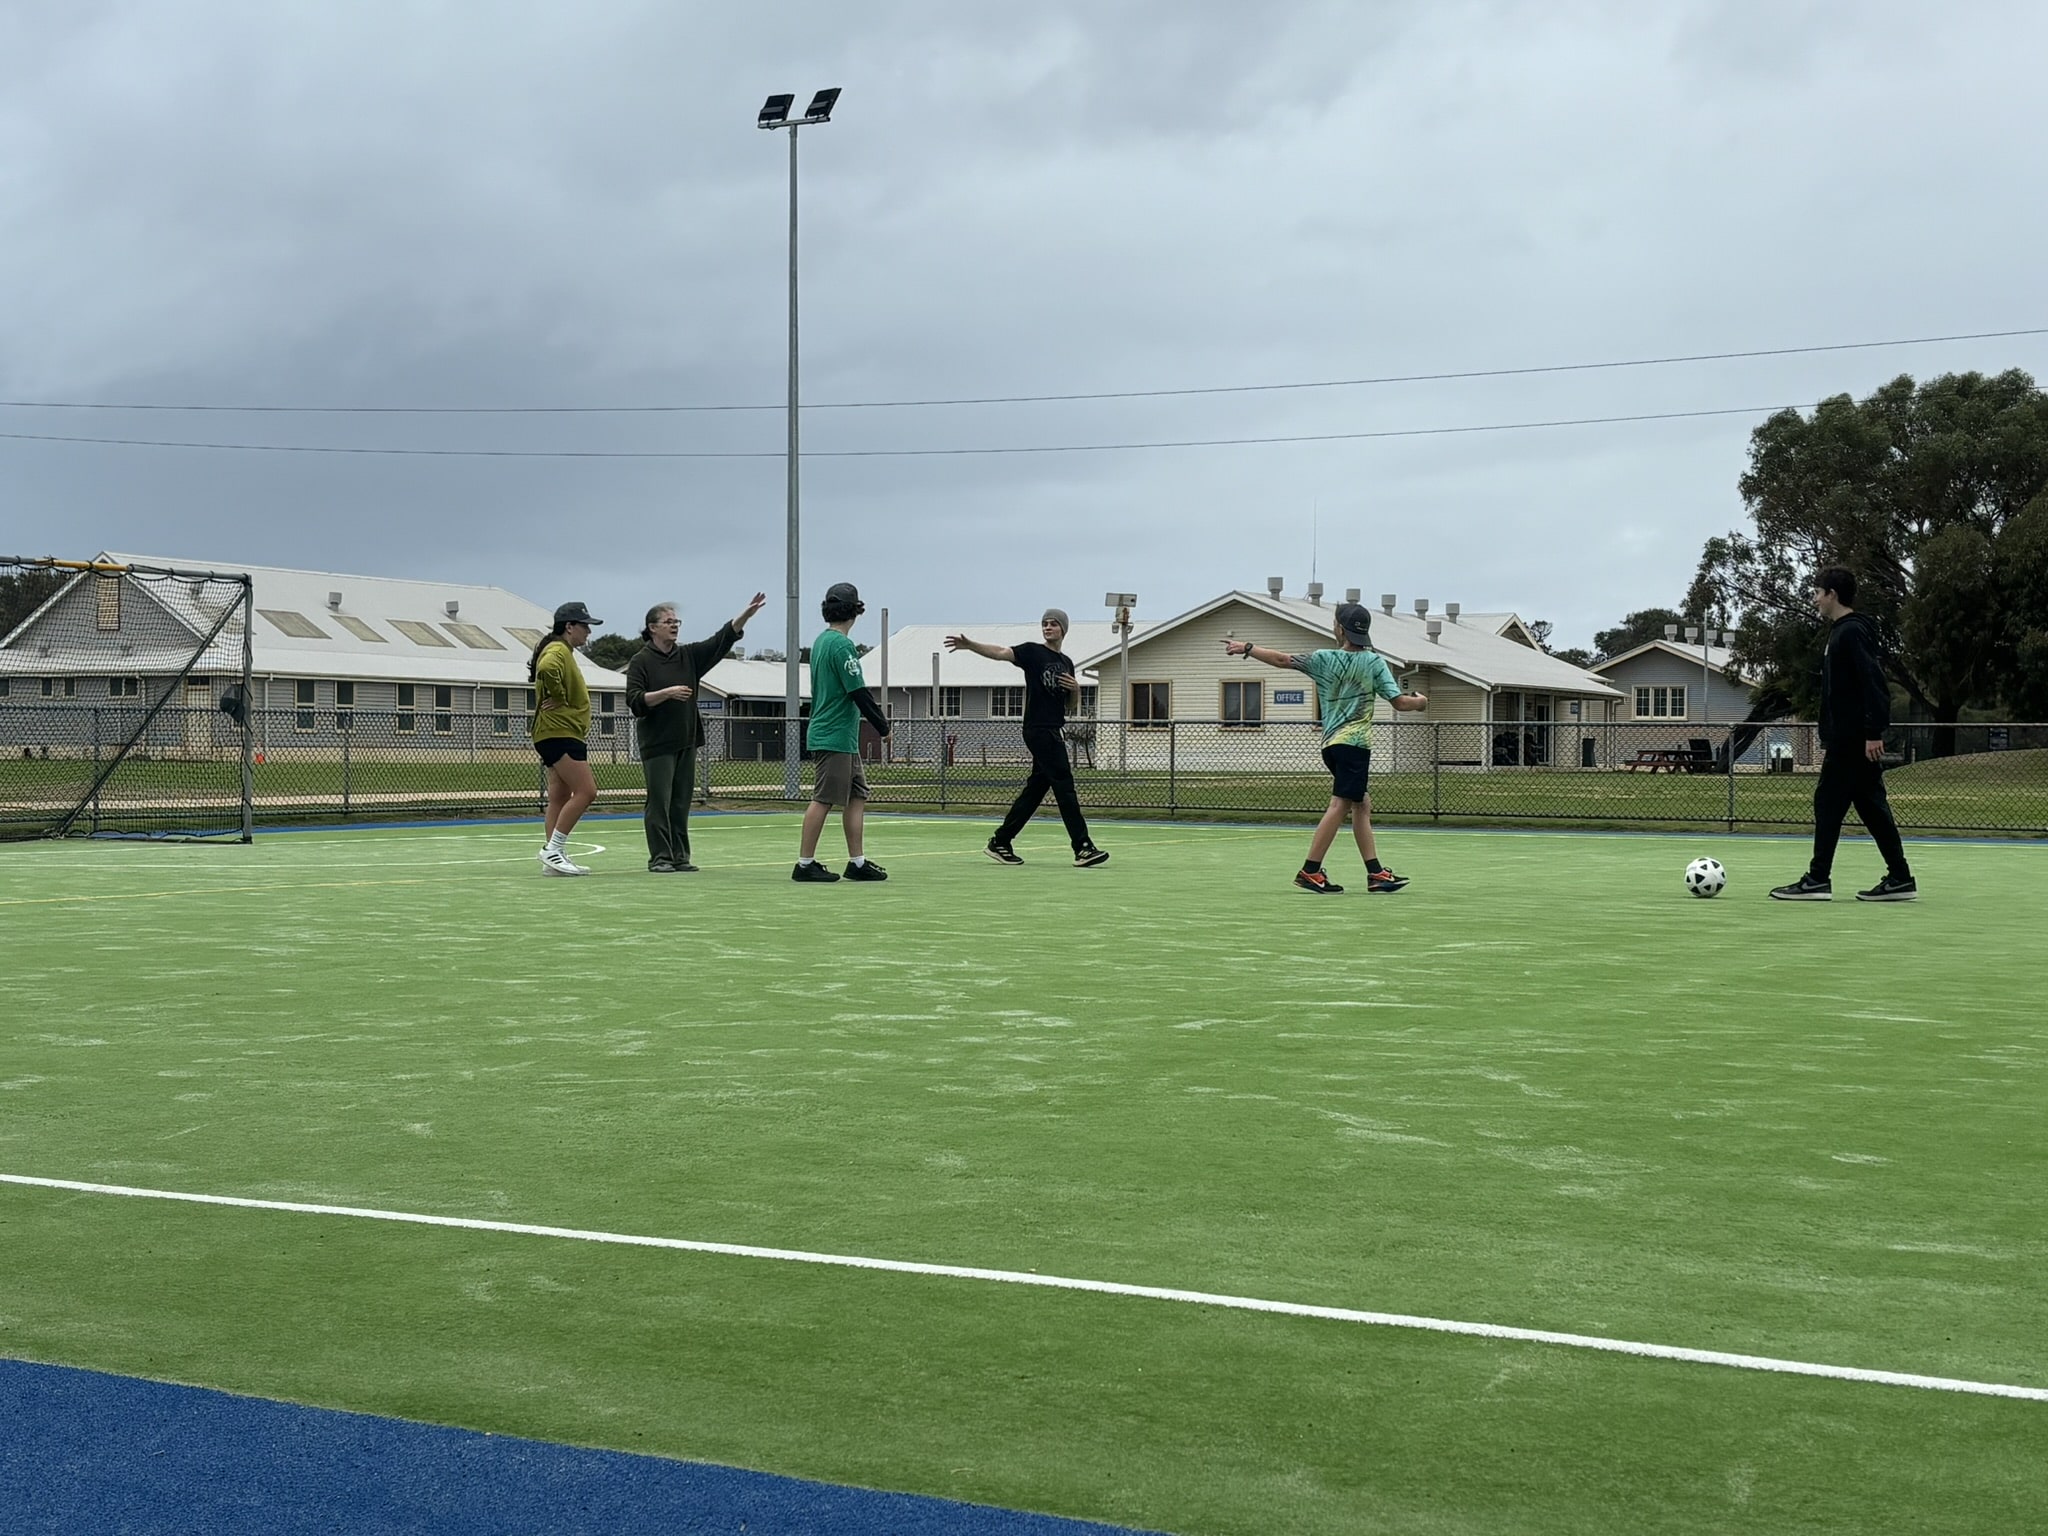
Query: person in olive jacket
x=661, y=690
x=1855, y=709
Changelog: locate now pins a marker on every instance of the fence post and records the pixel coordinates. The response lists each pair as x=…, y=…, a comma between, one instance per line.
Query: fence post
x=348, y=743
x=1436, y=770
x=939, y=751
x=1730, y=745
x=1173, y=768
x=95, y=813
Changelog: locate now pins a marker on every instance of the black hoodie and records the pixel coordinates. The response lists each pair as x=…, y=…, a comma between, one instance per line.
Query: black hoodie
x=1855, y=701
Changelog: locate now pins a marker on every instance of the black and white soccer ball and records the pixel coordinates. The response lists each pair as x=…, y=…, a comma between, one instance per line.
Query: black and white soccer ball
x=1705, y=877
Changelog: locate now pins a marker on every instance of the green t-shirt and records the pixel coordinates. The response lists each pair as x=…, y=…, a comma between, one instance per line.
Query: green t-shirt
x=561, y=697
x=1346, y=682
x=835, y=678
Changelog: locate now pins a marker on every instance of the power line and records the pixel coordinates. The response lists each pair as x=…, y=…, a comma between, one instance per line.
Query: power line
x=904, y=453
x=1119, y=394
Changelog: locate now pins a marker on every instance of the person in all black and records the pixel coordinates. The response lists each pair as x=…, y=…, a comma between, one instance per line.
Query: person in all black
x=1855, y=709
x=1049, y=683
x=661, y=691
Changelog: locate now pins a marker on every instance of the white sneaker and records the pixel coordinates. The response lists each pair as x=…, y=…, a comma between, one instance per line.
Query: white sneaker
x=555, y=863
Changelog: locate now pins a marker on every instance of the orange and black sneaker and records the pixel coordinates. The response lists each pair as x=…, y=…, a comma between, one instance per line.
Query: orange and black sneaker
x=1384, y=880
x=1318, y=882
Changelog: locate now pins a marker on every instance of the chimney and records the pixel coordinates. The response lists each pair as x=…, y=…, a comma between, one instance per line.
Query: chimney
x=1275, y=585
x=1315, y=593
x=334, y=601
x=1451, y=612
x=453, y=607
x=1436, y=631
x=1422, y=607
x=1351, y=594
x=1387, y=601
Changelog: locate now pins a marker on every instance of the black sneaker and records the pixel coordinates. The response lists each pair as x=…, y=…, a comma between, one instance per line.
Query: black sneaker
x=866, y=871
x=686, y=868
x=1805, y=888
x=1002, y=853
x=1383, y=882
x=1318, y=882
x=660, y=867
x=1891, y=888
x=813, y=873
x=1087, y=856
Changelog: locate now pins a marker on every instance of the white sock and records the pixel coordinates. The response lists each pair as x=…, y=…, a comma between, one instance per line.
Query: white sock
x=804, y=862
x=559, y=842
x=858, y=860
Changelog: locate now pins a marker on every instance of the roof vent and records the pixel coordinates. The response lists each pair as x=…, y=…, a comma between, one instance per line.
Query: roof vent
x=1315, y=593
x=1451, y=612
x=453, y=607
x=1351, y=594
x=1422, y=607
x=334, y=601
x=1436, y=631
x=1276, y=585
x=1387, y=601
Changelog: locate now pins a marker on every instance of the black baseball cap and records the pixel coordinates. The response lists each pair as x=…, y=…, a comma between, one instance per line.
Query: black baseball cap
x=574, y=613
x=1356, y=620
x=842, y=592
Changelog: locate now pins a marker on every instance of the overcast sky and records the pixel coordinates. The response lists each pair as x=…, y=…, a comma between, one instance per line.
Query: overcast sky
x=519, y=203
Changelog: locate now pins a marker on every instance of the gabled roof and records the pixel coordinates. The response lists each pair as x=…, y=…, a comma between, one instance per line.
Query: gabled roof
x=911, y=648
x=399, y=630
x=1474, y=649
x=734, y=678
x=1717, y=657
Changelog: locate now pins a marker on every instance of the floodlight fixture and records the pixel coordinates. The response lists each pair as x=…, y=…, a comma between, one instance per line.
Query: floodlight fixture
x=775, y=111
x=820, y=109
x=1119, y=599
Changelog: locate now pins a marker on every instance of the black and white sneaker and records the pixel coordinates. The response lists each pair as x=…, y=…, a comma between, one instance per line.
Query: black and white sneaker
x=1087, y=856
x=867, y=869
x=1891, y=888
x=1002, y=853
x=1805, y=888
x=813, y=873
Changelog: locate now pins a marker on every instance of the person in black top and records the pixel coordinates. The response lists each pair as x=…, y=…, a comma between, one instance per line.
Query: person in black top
x=1049, y=683
x=1855, y=709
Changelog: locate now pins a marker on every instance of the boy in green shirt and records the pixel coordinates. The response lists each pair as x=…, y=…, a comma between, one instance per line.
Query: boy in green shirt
x=839, y=699
x=1347, y=681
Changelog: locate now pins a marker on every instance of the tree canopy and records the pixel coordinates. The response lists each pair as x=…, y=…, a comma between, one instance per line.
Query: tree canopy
x=1936, y=496
x=1638, y=628
x=23, y=592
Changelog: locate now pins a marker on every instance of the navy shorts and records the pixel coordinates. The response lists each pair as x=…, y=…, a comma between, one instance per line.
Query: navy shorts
x=554, y=748
x=1349, y=768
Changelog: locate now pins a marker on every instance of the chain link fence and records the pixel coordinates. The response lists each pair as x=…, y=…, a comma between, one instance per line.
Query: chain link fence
x=326, y=764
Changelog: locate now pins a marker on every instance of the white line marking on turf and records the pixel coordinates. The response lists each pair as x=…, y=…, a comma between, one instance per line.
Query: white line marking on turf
x=1064, y=1283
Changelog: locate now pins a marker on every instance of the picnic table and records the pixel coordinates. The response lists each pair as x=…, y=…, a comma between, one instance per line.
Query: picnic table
x=1667, y=759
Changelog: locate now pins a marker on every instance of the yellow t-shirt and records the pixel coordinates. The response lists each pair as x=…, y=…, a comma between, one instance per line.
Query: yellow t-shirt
x=562, y=696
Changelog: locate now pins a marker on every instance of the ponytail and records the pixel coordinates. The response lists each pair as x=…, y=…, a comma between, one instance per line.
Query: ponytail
x=533, y=661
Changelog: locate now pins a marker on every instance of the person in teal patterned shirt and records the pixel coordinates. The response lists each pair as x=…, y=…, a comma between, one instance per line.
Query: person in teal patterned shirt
x=1347, y=681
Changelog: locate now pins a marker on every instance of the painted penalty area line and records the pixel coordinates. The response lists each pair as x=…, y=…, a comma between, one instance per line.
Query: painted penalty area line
x=1066, y=1283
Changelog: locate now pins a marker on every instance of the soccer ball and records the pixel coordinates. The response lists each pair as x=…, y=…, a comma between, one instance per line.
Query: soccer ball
x=1705, y=877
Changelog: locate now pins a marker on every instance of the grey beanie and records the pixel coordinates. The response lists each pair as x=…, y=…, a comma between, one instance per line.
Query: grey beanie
x=1058, y=616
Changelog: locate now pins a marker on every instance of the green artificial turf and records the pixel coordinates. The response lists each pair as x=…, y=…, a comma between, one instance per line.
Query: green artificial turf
x=1542, y=1087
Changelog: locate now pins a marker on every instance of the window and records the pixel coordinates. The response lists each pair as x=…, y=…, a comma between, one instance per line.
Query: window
x=60, y=687
x=1151, y=703
x=1660, y=703
x=421, y=634
x=529, y=638
x=297, y=625
x=501, y=703
x=949, y=703
x=107, y=588
x=6, y=686
x=444, y=701
x=359, y=629
x=344, y=706
x=1244, y=704
x=474, y=636
x=302, y=696
x=1006, y=703
x=408, y=722
x=1088, y=701
x=124, y=688
x=607, y=703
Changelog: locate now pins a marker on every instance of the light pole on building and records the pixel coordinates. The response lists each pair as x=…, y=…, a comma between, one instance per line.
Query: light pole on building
x=1122, y=603
x=775, y=115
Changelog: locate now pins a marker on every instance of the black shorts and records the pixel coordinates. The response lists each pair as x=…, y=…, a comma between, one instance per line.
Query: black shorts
x=1349, y=768
x=553, y=749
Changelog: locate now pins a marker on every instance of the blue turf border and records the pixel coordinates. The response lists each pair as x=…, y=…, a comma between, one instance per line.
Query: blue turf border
x=83, y=1451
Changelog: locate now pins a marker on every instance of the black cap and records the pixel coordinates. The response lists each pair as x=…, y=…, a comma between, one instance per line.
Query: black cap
x=842, y=592
x=574, y=613
x=1356, y=620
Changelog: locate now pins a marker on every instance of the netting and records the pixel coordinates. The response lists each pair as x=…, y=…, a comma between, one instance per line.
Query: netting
x=124, y=696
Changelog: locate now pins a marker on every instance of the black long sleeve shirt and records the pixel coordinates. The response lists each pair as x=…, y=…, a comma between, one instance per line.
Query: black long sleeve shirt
x=1855, y=700
x=673, y=725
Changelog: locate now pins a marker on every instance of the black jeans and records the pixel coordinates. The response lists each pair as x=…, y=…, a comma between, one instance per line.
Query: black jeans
x=670, y=778
x=1050, y=770
x=1849, y=778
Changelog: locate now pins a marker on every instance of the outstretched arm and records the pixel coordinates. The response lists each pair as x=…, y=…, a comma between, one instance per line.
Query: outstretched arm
x=739, y=625
x=1258, y=653
x=992, y=652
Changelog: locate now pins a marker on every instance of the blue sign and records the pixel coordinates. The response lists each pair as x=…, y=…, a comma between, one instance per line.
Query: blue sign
x=711, y=706
x=1290, y=695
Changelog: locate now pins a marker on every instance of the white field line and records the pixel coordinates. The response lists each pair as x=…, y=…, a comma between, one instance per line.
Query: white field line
x=1064, y=1283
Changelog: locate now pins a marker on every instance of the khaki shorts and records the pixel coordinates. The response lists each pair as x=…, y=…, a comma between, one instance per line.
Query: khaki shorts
x=837, y=778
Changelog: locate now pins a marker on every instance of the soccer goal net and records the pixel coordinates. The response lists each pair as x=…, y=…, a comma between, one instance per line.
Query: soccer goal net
x=124, y=700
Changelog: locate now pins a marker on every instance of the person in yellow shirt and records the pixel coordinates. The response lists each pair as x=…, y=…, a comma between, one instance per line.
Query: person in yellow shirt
x=561, y=731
